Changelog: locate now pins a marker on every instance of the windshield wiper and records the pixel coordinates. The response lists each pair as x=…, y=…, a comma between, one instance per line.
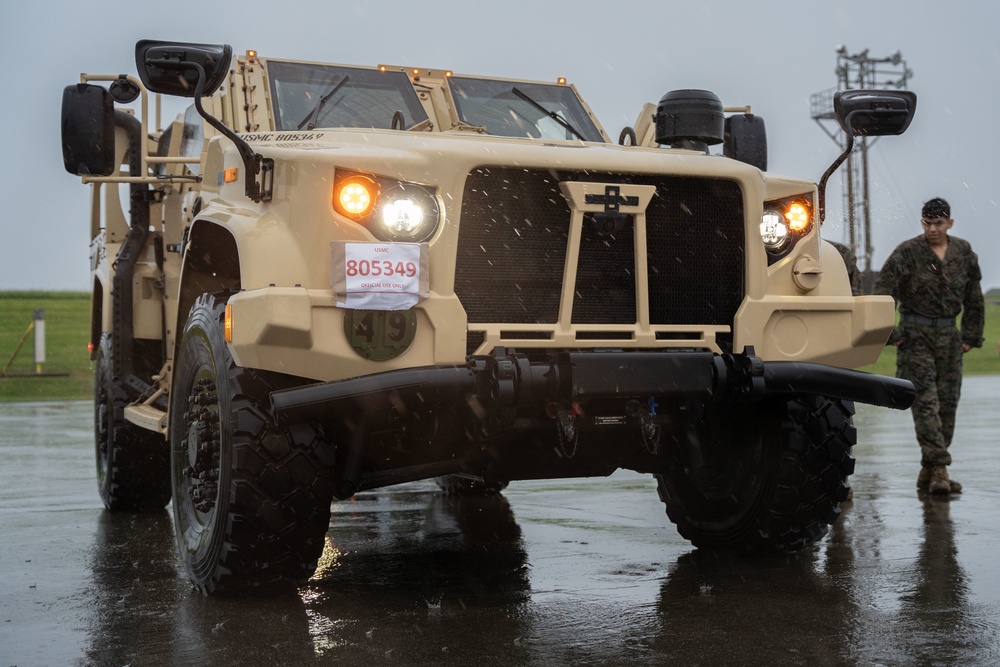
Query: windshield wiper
x=551, y=114
x=313, y=115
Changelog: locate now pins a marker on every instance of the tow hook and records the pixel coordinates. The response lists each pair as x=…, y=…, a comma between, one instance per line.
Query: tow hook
x=566, y=428
x=644, y=416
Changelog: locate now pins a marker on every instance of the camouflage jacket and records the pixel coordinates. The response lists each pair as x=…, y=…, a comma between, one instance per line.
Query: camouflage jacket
x=851, y=263
x=924, y=285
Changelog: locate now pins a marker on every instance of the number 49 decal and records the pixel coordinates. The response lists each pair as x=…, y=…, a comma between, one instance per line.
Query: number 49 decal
x=380, y=335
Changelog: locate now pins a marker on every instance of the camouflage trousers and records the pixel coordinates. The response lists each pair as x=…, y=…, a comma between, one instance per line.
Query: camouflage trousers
x=931, y=358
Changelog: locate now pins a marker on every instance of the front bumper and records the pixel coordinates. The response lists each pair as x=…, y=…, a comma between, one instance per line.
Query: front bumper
x=505, y=383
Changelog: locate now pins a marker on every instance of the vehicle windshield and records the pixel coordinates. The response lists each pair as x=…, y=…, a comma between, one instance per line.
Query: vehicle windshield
x=309, y=96
x=517, y=109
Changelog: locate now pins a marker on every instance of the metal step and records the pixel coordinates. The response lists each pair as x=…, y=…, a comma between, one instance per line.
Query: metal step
x=147, y=417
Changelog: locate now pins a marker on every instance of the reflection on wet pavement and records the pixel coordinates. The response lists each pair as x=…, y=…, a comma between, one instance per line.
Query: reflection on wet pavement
x=571, y=572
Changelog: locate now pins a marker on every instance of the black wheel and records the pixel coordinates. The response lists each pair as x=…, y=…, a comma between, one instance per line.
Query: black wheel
x=459, y=485
x=133, y=464
x=251, y=507
x=767, y=478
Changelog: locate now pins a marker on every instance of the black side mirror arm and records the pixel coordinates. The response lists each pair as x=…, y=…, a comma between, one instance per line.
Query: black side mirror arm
x=259, y=169
x=821, y=187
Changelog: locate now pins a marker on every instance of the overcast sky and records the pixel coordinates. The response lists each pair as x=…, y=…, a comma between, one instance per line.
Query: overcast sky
x=768, y=54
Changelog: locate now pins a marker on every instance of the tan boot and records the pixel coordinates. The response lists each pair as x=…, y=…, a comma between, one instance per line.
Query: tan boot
x=955, y=486
x=939, y=482
x=923, y=479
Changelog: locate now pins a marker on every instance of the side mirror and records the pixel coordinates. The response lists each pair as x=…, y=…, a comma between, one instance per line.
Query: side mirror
x=88, y=130
x=867, y=113
x=197, y=70
x=746, y=140
x=177, y=68
x=872, y=113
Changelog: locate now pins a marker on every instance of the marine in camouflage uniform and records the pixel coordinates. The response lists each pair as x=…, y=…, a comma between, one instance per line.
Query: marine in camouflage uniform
x=851, y=262
x=931, y=289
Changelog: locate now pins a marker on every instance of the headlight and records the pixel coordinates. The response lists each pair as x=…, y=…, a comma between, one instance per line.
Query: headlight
x=402, y=216
x=773, y=230
x=405, y=212
x=391, y=210
x=783, y=223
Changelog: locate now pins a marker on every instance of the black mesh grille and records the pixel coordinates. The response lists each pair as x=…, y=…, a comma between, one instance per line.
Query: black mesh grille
x=512, y=246
x=513, y=236
x=694, y=237
x=605, y=278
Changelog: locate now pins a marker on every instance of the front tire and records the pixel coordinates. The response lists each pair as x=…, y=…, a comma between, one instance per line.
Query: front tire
x=133, y=464
x=251, y=507
x=761, y=479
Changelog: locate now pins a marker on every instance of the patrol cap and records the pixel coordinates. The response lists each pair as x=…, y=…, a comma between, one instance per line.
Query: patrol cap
x=936, y=208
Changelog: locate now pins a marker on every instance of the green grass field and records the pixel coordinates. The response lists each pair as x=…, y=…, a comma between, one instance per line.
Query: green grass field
x=67, y=327
x=67, y=332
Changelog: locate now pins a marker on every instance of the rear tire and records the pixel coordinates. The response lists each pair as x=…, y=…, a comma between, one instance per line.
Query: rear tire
x=251, y=508
x=768, y=478
x=133, y=464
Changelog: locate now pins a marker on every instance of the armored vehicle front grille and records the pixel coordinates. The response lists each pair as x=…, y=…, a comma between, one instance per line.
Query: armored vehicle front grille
x=511, y=246
x=514, y=235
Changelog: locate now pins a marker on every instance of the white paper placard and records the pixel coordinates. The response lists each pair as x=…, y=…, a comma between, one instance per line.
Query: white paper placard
x=379, y=276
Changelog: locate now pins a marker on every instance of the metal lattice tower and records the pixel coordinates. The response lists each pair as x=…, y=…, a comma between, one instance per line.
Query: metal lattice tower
x=858, y=70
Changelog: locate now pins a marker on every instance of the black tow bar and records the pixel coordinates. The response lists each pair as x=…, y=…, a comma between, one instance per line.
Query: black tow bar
x=507, y=380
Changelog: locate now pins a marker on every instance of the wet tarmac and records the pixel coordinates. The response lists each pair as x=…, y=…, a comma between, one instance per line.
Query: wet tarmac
x=577, y=572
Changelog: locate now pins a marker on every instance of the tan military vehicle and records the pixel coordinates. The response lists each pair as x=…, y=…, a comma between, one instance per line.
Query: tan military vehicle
x=327, y=279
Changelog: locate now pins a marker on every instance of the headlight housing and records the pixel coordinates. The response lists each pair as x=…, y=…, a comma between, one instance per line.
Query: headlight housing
x=773, y=230
x=390, y=209
x=783, y=223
